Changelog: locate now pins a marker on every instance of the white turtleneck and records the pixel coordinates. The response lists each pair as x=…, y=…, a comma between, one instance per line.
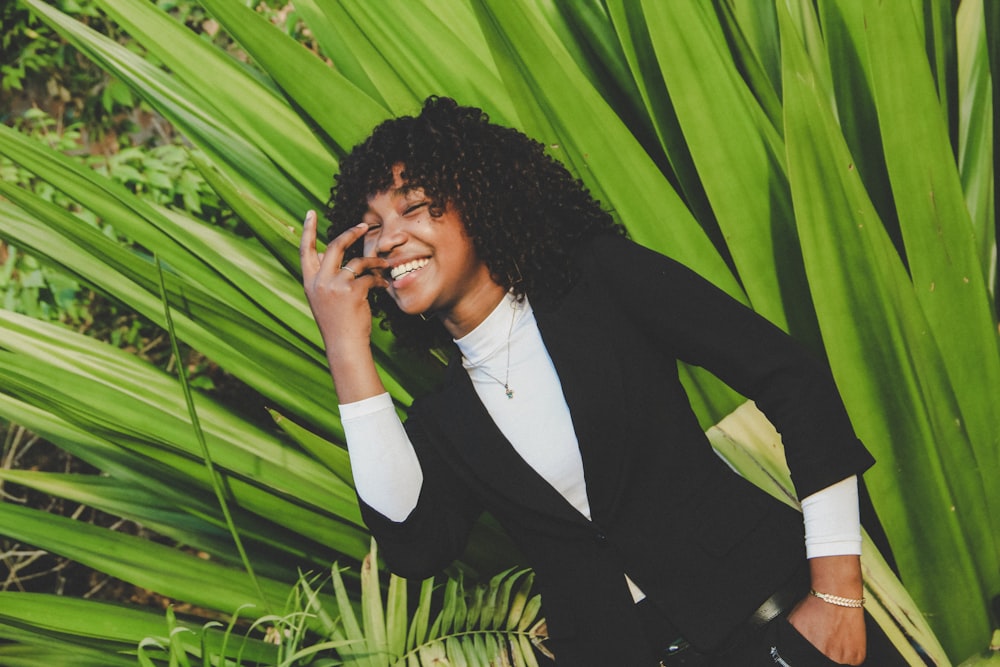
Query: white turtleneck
x=538, y=424
x=536, y=421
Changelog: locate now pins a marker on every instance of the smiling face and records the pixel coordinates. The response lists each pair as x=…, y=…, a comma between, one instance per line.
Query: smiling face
x=433, y=266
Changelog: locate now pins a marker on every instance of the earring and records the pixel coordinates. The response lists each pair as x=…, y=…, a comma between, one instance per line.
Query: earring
x=423, y=317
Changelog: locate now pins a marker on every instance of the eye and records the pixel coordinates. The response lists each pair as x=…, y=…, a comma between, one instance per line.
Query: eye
x=413, y=208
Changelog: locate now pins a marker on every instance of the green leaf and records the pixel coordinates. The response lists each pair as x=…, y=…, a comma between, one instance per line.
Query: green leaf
x=203, y=321
x=227, y=88
x=976, y=130
x=177, y=574
x=183, y=106
x=894, y=383
x=739, y=157
x=338, y=107
x=397, y=65
x=331, y=455
x=76, y=632
x=939, y=238
x=265, y=477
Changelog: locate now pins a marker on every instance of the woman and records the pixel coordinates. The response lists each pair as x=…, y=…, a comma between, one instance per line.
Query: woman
x=562, y=413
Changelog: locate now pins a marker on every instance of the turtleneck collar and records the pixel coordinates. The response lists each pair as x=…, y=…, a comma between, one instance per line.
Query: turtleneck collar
x=491, y=335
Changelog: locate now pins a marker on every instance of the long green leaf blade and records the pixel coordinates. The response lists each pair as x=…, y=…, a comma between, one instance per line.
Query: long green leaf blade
x=250, y=108
x=739, y=158
x=890, y=379
x=178, y=103
x=176, y=574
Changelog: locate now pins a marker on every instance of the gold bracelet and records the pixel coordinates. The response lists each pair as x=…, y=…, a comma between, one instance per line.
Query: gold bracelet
x=837, y=600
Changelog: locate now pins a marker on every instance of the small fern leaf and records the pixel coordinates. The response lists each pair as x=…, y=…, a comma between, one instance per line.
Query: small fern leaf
x=520, y=601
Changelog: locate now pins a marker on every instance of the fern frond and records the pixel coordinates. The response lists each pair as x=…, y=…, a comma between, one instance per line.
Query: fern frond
x=493, y=624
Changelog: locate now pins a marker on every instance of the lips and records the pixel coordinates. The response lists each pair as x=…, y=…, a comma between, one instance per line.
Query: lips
x=406, y=268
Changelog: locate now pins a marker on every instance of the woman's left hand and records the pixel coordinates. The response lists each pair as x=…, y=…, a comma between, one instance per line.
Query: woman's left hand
x=838, y=632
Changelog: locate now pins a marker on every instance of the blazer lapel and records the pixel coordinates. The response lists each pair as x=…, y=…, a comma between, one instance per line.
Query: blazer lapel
x=582, y=347
x=474, y=439
x=583, y=352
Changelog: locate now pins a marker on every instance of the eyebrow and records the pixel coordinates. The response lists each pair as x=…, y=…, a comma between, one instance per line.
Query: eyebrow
x=404, y=190
x=401, y=191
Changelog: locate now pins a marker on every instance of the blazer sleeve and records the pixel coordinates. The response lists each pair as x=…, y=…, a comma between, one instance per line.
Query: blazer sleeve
x=702, y=325
x=436, y=531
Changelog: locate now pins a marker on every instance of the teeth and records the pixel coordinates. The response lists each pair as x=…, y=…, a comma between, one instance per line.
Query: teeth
x=401, y=270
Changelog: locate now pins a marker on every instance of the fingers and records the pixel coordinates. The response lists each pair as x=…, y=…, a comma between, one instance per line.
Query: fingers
x=368, y=269
x=308, y=257
x=347, y=238
x=329, y=267
x=329, y=261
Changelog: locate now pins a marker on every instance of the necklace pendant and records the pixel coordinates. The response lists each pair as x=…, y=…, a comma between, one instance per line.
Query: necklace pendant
x=508, y=391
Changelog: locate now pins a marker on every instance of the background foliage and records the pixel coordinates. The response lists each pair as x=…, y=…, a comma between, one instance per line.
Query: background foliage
x=831, y=163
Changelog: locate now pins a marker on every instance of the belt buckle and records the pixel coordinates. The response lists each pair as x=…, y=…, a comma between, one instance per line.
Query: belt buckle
x=679, y=653
x=679, y=645
x=767, y=612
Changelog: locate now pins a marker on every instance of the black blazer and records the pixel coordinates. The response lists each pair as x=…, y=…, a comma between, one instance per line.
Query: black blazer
x=706, y=546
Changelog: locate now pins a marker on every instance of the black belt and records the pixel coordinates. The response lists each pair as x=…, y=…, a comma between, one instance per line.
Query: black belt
x=680, y=651
x=780, y=602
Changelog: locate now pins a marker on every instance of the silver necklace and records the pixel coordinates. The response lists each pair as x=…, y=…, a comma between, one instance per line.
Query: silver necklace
x=506, y=381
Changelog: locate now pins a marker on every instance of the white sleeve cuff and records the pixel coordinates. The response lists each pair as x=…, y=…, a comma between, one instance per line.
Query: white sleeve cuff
x=832, y=520
x=365, y=406
x=386, y=470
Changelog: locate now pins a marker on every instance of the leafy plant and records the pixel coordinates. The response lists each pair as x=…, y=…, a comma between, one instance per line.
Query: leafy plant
x=38, y=290
x=37, y=65
x=828, y=163
x=163, y=174
x=493, y=623
x=29, y=46
x=26, y=286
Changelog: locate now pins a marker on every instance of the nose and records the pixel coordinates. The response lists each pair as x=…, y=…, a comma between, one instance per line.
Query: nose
x=390, y=235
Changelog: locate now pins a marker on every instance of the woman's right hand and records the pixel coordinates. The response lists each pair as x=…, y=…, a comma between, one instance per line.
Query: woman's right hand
x=338, y=291
x=338, y=296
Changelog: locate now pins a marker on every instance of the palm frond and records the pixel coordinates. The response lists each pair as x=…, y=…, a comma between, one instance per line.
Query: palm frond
x=495, y=623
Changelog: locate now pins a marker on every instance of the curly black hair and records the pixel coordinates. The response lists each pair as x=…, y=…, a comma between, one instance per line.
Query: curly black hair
x=524, y=211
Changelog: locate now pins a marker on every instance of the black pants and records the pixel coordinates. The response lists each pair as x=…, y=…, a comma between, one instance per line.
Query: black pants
x=777, y=643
